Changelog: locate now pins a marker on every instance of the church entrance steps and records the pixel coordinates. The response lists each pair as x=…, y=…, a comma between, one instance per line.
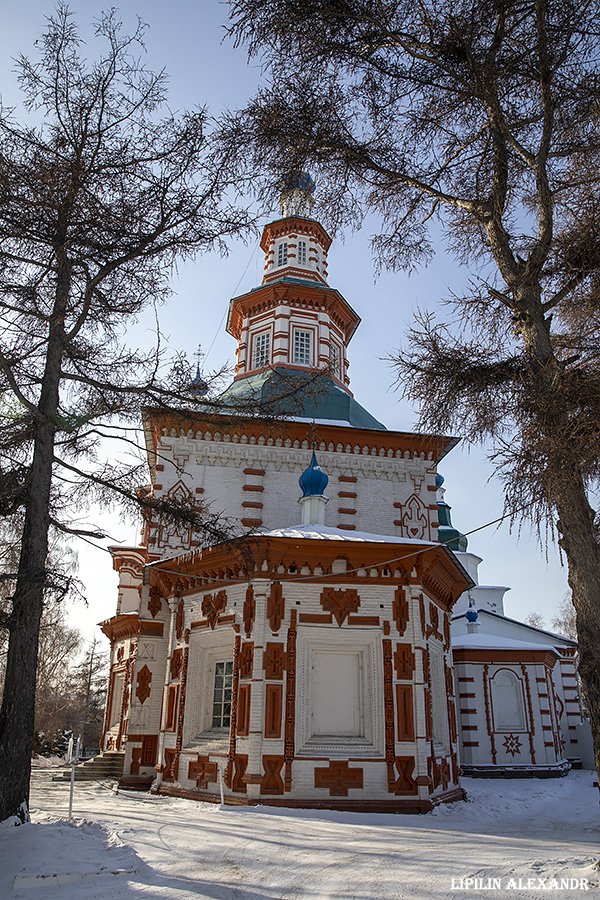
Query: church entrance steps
x=105, y=766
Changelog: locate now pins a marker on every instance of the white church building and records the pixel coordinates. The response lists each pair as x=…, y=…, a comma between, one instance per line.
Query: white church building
x=339, y=651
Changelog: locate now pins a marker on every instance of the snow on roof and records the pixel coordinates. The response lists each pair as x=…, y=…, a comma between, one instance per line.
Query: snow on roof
x=327, y=533
x=319, y=421
x=554, y=639
x=495, y=642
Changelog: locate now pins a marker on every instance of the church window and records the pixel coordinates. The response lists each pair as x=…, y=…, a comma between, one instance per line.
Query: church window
x=302, y=348
x=262, y=350
x=221, y=713
x=335, y=360
x=507, y=701
x=282, y=254
x=302, y=253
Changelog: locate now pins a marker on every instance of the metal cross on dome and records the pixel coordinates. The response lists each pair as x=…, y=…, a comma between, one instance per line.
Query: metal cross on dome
x=314, y=436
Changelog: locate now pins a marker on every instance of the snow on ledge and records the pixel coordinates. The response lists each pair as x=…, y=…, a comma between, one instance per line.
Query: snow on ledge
x=327, y=533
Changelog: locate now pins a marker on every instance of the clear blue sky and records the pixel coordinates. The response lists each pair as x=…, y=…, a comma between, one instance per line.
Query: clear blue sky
x=187, y=39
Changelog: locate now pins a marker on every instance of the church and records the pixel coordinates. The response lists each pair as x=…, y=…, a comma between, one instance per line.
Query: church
x=337, y=651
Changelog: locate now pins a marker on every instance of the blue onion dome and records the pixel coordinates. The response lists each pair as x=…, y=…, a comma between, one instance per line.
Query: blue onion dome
x=439, y=480
x=198, y=386
x=471, y=615
x=298, y=181
x=313, y=480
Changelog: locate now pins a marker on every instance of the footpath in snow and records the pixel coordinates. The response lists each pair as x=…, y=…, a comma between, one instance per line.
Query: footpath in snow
x=527, y=839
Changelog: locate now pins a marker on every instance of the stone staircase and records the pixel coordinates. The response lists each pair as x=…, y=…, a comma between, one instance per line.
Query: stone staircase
x=105, y=766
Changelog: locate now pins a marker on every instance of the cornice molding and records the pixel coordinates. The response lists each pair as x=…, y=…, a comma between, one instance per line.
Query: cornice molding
x=335, y=439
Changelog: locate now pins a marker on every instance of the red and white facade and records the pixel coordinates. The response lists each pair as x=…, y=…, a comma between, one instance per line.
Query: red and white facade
x=304, y=665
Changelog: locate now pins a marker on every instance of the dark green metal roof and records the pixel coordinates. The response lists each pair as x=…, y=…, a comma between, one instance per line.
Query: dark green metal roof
x=300, y=394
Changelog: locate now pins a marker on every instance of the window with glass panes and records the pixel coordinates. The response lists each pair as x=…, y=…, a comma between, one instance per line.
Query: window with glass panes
x=335, y=358
x=221, y=715
x=282, y=254
x=262, y=349
x=302, y=348
x=302, y=252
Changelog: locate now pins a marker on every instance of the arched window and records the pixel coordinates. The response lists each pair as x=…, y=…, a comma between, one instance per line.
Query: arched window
x=508, y=708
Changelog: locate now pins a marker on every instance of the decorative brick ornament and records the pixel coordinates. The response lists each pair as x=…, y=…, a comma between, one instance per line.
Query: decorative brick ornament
x=400, y=610
x=340, y=603
x=405, y=783
x=202, y=771
x=275, y=607
x=339, y=778
x=512, y=744
x=212, y=607
x=404, y=662
x=246, y=659
x=144, y=677
x=154, y=603
x=249, y=611
x=274, y=661
x=272, y=782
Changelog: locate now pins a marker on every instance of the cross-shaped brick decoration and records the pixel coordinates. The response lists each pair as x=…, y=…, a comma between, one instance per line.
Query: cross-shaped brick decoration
x=202, y=771
x=339, y=777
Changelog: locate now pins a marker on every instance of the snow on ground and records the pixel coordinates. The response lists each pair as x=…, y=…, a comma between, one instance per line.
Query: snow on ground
x=137, y=847
x=47, y=762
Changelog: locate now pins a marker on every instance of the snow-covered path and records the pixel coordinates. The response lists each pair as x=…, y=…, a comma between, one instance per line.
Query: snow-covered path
x=177, y=849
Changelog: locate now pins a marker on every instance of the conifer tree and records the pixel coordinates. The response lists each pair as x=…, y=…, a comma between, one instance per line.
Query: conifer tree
x=100, y=193
x=482, y=116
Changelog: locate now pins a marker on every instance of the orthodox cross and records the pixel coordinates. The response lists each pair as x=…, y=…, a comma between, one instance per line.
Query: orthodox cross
x=314, y=436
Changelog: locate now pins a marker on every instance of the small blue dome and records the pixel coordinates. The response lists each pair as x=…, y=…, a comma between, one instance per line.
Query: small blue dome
x=313, y=480
x=439, y=480
x=471, y=614
x=298, y=181
x=198, y=386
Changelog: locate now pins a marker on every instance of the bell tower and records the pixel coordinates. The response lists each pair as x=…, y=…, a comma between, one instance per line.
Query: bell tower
x=293, y=320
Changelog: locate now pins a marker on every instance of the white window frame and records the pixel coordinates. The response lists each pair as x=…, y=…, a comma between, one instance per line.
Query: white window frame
x=302, y=252
x=282, y=254
x=209, y=650
x=370, y=743
x=260, y=358
x=220, y=691
x=296, y=341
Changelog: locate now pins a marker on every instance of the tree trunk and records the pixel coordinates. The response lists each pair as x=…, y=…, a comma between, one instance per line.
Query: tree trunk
x=18, y=702
x=580, y=544
x=566, y=491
